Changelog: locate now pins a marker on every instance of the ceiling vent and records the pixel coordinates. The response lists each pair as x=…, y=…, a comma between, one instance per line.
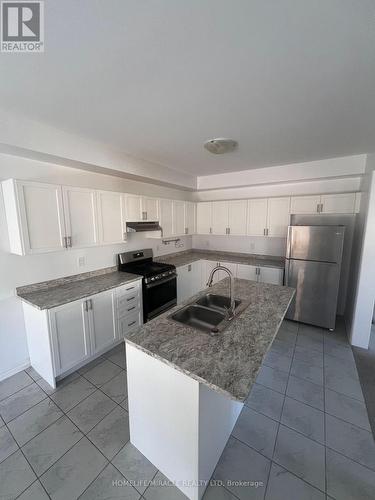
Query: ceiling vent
x=220, y=146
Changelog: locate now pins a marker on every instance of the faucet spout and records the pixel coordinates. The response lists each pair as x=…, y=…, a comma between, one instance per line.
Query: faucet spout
x=232, y=307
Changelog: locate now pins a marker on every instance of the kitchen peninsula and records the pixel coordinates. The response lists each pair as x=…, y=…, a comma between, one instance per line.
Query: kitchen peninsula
x=186, y=387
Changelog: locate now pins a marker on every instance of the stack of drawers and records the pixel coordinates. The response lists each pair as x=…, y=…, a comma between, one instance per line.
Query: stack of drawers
x=129, y=307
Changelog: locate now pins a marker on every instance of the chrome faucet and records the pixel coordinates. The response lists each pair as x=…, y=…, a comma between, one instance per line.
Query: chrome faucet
x=232, y=307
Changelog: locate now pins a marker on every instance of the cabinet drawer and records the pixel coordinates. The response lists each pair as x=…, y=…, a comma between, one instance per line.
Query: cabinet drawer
x=130, y=288
x=128, y=324
x=128, y=303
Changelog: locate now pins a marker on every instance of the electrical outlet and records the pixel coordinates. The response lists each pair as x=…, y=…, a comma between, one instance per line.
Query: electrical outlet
x=81, y=261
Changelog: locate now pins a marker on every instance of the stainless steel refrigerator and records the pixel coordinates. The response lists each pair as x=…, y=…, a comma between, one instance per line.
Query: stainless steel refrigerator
x=312, y=267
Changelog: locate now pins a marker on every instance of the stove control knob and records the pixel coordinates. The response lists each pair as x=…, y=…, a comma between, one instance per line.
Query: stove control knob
x=153, y=279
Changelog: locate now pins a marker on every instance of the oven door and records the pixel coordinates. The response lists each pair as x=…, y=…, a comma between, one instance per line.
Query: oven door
x=158, y=297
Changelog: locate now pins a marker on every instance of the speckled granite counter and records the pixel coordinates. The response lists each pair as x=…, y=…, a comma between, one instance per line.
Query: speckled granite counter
x=61, y=291
x=189, y=256
x=229, y=362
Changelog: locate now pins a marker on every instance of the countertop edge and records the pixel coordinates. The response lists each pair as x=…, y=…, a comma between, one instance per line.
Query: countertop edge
x=185, y=372
x=78, y=297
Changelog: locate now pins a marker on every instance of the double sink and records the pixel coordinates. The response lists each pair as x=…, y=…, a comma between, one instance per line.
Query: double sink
x=209, y=313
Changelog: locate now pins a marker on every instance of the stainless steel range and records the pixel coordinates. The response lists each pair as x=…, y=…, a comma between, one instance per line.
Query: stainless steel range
x=159, y=284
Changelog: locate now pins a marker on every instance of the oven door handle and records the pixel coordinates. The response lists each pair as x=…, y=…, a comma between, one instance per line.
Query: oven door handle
x=161, y=282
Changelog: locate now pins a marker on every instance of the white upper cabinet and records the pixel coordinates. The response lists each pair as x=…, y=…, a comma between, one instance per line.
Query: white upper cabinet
x=305, y=204
x=237, y=217
x=150, y=209
x=35, y=217
x=133, y=208
x=219, y=217
x=111, y=217
x=178, y=218
x=190, y=217
x=204, y=222
x=278, y=218
x=166, y=217
x=80, y=216
x=338, y=203
x=257, y=217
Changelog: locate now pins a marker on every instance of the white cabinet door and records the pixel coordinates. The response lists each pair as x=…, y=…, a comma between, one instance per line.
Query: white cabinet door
x=278, y=216
x=271, y=275
x=166, y=217
x=133, y=207
x=183, y=284
x=338, y=203
x=196, y=277
x=257, y=217
x=81, y=216
x=304, y=204
x=237, y=217
x=204, y=222
x=190, y=218
x=42, y=217
x=246, y=272
x=150, y=209
x=70, y=335
x=102, y=320
x=219, y=217
x=111, y=217
x=231, y=266
x=178, y=218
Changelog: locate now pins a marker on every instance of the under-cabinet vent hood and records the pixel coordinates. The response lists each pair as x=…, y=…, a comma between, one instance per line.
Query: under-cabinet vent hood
x=141, y=227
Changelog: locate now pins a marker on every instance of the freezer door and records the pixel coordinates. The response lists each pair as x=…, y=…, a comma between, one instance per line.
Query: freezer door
x=318, y=243
x=316, y=285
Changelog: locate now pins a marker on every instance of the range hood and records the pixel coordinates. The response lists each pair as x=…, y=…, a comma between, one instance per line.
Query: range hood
x=141, y=227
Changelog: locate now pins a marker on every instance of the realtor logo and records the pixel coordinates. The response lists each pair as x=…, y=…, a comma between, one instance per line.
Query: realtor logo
x=22, y=26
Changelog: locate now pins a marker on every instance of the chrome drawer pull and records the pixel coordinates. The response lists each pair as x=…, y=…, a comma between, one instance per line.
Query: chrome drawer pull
x=132, y=323
x=131, y=308
x=130, y=298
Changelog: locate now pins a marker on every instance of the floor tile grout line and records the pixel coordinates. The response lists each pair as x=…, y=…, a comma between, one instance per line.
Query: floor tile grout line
x=33, y=406
x=281, y=414
x=36, y=481
x=22, y=388
x=111, y=461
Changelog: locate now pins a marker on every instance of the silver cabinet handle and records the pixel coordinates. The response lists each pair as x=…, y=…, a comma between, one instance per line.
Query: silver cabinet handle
x=267, y=231
x=189, y=267
x=69, y=240
x=186, y=230
x=321, y=207
x=65, y=242
x=130, y=288
x=130, y=298
x=131, y=308
x=318, y=207
x=144, y=215
x=264, y=232
x=228, y=230
x=86, y=306
x=132, y=323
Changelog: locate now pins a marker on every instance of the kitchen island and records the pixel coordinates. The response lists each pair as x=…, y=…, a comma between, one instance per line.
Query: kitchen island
x=187, y=388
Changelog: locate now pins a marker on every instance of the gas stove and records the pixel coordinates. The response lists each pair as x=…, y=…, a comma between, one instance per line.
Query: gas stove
x=159, y=284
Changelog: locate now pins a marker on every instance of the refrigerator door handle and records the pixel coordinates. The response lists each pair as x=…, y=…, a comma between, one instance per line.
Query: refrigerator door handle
x=289, y=242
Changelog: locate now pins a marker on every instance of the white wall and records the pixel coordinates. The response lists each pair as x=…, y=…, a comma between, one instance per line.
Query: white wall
x=22, y=270
x=331, y=168
x=246, y=244
x=22, y=136
x=363, y=265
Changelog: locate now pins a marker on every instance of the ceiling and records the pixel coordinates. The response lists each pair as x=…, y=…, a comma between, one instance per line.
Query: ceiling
x=290, y=80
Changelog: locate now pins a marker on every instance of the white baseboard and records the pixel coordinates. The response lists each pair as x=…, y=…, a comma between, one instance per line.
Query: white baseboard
x=16, y=369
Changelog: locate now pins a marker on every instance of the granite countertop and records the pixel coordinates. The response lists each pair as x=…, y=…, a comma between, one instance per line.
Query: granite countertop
x=228, y=362
x=189, y=256
x=55, y=293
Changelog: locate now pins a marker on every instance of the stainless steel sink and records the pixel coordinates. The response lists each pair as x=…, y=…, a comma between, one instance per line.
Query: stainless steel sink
x=217, y=302
x=202, y=318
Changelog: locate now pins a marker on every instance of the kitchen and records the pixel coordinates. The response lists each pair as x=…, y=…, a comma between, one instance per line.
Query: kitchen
x=187, y=332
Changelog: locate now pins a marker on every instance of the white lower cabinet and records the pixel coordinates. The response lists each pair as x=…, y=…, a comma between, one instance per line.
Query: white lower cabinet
x=271, y=275
x=246, y=272
x=102, y=314
x=188, y=280
x=70, y=332
x=66, y=337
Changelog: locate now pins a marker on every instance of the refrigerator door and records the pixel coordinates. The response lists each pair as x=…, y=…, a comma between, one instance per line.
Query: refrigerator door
x=317, y=243
x=316, y=285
